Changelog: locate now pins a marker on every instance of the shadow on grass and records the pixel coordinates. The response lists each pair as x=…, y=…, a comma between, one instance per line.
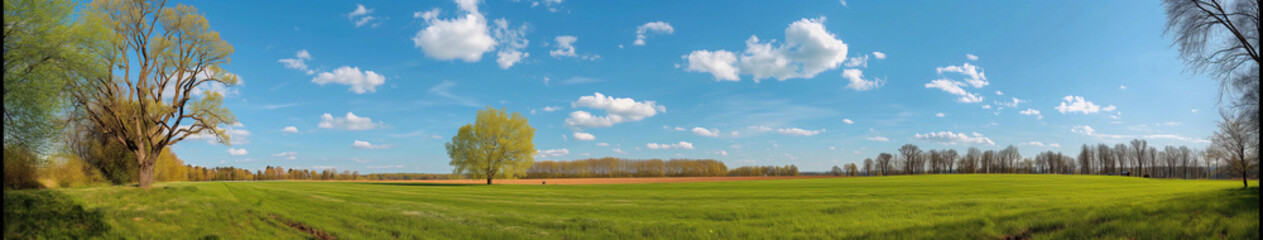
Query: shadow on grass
x=46, y=214
x=1224, y=214
x=419, y=184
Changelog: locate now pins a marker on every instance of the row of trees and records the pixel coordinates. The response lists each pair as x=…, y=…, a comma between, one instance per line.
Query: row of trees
x=1231, y=153
x=616, y=167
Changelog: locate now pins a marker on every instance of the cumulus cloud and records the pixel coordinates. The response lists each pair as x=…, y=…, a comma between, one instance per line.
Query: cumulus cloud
x=366, y=145
x=705, y=132
x=552, y=153
x=1032, y=112
x=298, y=62
x=951, y=138
x=237, y=151
x=847, y=121
x=799, y=131
x=974, y=75
x=512, y=40
x=971, y=57
x=582, y=136
x=466, y=37
x=618, y=110
x=858, y=82
x=360, y=81
x=286, y=155
x=1084, y=129
x=290, y=129
x=808, y=49
x=362, y=16
x=879, y=55
x=878, y=139
x=658, y=27
x=564, y=47
x=679, y=145
x=940, y=115
x=860, y=61
x=954, y=87
x=350, y=122
x=1073, y=104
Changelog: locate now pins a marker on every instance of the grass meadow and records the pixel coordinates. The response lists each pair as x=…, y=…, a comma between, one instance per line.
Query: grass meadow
x=923, y=206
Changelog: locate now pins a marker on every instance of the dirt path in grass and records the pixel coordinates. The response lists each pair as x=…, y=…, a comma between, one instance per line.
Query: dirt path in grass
x=568, y=181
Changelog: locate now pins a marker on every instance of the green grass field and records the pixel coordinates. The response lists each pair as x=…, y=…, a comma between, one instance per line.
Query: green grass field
x=928, y=206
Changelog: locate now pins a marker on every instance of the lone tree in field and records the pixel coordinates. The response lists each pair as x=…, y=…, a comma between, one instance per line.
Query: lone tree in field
x=159, y=62
x=498, y=144
x=1236, y=143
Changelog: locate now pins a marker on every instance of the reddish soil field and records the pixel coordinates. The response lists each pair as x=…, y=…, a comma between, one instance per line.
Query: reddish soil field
x=567, y=181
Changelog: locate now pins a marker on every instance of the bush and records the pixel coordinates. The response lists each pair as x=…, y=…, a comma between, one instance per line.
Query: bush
x=67, y=170
x=19, y=168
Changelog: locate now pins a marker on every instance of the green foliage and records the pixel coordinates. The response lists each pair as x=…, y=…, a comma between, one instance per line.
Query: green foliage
x=497, y=145
x=170, y=168
x=43, y=214
x=990, y=206
x=45, y=50
x=19, y=168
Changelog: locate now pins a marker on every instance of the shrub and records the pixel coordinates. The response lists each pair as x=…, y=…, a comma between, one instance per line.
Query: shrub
x=19, y=167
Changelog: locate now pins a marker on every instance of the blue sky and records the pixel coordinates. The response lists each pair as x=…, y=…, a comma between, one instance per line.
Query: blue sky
x=810, y=83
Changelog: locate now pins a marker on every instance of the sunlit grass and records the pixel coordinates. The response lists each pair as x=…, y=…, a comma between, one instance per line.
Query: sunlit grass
x=930, y=206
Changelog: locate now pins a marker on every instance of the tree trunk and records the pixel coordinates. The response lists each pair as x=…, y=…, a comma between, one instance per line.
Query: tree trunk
x=488, y=181
x=146, y=168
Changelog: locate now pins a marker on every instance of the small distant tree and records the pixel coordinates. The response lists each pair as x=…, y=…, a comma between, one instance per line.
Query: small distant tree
x=852, y=170
x=836, y=171
x=868, y=167
x=498, y=144
x=883, y=163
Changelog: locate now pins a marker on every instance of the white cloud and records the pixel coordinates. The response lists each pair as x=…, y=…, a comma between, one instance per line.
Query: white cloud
x=1013, y=104
x=1122, y=87
x=1074, y=104
x=366, y=145
x=721, y=64
x=565, y=48
x=513, y=41
x=808, y=49
x=550, y=108
x=361, y=15
x=658, y=27
x=618, y=110
x=601, y=144
x=679, y=145
x=298, y=62
x=722, y=153
x=286, y=155
x=974, y=75
x=1085, y=130
x=466, y=37
x=582, y=136
x=1032, y=112
x=971, y=57
x=858, y=82
x=290, y=129
x=552, y=153
x=706, y=132
x=237, y=151
x=1054, y=145
x=1034, y=143
x=360, y=81
x=350, y=122
x=799, y=131
x=1194, y=110
x=999, y=93
x=954, y=87
x=237, y=134
x=951, y=138
x=847, y=121
x=860, y=61
x=879, y=55
x=940, y=115
x=878, y=139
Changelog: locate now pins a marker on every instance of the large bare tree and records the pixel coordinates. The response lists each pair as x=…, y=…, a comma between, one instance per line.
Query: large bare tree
x=159, y=61
x=1236, y=144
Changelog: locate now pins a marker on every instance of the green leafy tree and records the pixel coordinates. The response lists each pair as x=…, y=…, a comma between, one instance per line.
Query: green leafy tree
x=161, y=61
x=497, y=145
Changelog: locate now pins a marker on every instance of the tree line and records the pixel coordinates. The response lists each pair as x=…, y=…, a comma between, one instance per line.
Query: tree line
x=610, y=167
x=1229, y=155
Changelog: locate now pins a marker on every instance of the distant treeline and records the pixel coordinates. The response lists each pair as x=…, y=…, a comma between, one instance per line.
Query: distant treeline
x=610, y=167
x=198, y=173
